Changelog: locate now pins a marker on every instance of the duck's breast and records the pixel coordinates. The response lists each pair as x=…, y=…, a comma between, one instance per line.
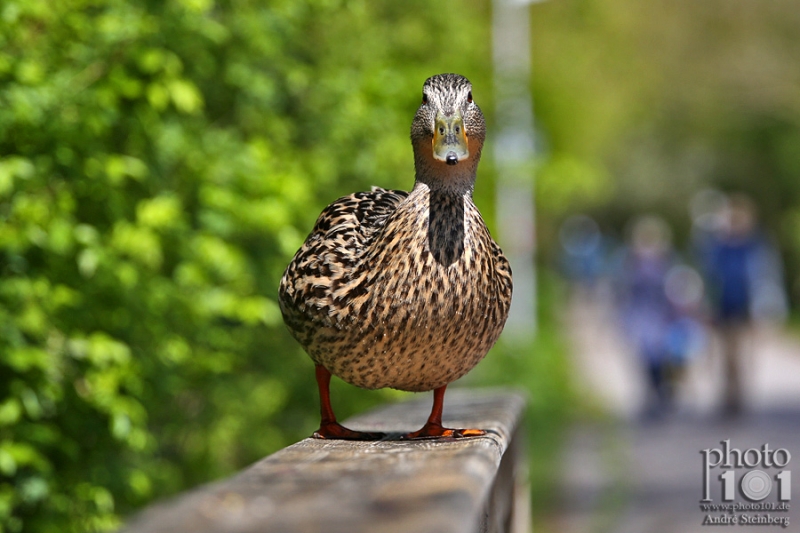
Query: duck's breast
x=432, y=302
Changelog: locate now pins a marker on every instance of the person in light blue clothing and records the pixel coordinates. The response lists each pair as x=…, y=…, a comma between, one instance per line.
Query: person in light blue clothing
x=655, y=293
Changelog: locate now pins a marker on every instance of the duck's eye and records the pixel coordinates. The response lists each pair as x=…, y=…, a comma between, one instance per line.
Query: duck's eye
x=424, y=98
x=469, y=97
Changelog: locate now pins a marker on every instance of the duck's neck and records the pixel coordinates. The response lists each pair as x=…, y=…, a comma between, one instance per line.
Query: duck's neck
x=450, y=185
x=457, y=180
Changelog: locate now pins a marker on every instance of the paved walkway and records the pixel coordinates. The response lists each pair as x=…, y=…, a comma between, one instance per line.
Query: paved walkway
x=624, y=475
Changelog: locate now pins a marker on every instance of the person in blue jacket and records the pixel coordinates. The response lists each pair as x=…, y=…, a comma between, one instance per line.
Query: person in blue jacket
x=745, y=281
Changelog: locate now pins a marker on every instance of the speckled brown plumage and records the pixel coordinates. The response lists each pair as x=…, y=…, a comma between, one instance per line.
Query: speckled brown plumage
x=405, y=290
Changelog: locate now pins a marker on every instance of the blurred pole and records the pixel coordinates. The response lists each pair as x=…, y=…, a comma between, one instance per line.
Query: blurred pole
x=514, y=151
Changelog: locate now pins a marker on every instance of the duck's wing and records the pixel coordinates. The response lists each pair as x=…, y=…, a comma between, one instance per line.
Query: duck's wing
x=334, y=253
x=350, y=224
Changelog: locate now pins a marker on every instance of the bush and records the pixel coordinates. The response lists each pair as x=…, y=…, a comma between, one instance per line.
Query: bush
x=161, y=162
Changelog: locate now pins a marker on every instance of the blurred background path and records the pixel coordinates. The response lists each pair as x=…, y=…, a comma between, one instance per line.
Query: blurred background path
x=627, y=474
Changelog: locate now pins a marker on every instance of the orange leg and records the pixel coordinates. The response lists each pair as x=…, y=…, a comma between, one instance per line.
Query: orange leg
x=433, y=427
x=329, y=428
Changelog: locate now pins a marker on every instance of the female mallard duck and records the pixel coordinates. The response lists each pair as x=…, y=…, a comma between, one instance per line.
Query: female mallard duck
x=404, y=289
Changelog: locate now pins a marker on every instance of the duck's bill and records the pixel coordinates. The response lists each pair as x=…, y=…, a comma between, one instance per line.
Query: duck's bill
x=449, y=139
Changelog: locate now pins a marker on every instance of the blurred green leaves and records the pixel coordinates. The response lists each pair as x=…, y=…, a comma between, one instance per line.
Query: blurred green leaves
x=665, y=99
x=565, y=182
x=160, y=162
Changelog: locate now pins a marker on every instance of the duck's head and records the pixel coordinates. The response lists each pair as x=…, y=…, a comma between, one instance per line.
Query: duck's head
x=448, y=131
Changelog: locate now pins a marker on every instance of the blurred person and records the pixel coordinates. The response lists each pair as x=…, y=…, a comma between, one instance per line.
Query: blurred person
x=583, y=251
x=657, y=295
x=685, y=290
x=745, y=278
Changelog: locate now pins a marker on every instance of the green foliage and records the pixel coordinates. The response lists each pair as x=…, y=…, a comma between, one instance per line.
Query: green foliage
x=656, y=100
x=565, y=182
x=159, y=164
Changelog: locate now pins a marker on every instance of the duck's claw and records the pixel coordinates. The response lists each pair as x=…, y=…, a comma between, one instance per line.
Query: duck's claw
x=435, y=431
x=334, y=430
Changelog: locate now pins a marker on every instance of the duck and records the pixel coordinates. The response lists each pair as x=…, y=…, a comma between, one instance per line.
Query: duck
x=406, y=290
